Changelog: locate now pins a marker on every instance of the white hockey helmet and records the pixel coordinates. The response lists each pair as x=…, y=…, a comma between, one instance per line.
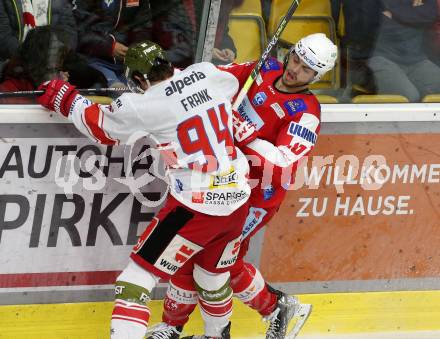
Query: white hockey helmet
x=318, y=52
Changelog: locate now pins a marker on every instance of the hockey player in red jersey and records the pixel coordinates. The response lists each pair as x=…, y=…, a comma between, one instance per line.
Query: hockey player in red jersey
x=287, y=117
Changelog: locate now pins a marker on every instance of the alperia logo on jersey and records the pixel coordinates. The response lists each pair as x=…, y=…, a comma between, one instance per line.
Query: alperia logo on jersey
x=179, y=85
x=229, y=179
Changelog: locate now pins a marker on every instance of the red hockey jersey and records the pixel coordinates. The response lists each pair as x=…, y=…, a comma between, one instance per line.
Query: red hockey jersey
x=288, y=125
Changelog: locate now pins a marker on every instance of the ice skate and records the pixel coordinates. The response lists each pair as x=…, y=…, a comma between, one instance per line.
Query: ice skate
x=288, y=308
x=225, y=334
x=164, y=331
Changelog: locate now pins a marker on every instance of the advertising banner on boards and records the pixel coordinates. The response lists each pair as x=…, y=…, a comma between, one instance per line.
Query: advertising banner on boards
x=363, y=206
x=68, y=215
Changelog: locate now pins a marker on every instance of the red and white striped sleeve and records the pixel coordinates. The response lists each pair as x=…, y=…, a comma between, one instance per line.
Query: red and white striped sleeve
x=106, y=124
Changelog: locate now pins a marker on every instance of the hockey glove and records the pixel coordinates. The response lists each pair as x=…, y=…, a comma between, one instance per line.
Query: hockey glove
x=58, y=96
x=244, y=131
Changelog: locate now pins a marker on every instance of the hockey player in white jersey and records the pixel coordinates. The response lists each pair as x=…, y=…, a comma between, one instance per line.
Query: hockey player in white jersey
x=188, y=114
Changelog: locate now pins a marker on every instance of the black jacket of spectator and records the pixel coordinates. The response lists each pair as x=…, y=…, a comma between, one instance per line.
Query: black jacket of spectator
x=362, y=19
x=11, y=23
x=401, y=38
x=175, y=28
x=101, y=23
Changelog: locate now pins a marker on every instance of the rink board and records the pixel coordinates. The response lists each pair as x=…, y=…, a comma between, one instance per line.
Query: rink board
x=45, y=261
x=69, y=247
x=333, y=314
x=363, y=207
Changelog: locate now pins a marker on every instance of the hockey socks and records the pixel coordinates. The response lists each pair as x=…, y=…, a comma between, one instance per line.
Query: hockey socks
x=249, y=286
x=180, y=301
x=131, y=314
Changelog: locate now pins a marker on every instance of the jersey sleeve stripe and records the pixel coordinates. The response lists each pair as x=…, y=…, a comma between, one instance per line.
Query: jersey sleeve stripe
x=93, y=119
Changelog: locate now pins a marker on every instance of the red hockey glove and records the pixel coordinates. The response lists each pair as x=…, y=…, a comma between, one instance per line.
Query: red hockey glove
x=244, y=131
x=58, y=96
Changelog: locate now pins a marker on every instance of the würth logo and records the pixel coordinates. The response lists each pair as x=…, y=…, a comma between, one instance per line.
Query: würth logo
x=183, y=254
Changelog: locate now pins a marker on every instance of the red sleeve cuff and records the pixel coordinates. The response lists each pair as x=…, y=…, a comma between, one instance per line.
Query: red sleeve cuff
x=113, y=43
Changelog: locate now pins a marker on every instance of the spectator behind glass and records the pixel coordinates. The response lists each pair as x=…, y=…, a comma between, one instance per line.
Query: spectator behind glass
x=225, y=51
x=399, y=63
x=362, y=19
x=106, y=28
x=175, y=27
x=18, y=17
x=39, y=58
x=433, y=41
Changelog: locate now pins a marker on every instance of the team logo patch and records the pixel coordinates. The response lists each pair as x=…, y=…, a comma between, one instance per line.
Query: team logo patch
x=254, y=218
x=271, y=64
x=178, y=187
x=295, y=106
x=259, y=98
x=268, y=192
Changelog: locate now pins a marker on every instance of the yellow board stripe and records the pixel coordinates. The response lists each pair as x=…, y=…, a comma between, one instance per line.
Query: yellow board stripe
x=336, y=313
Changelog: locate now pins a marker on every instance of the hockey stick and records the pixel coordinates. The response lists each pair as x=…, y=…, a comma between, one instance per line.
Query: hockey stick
x=85, y=91
x=259, y=64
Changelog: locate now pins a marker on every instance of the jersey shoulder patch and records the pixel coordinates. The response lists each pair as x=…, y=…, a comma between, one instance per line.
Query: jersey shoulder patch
x=271, y=64
x=295, y=106
x=301, y=104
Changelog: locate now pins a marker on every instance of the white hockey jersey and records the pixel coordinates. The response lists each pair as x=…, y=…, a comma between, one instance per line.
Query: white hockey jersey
x=189, y=117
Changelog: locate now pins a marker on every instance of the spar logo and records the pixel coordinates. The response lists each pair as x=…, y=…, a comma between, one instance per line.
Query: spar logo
x=198, y=197
x=224, y=198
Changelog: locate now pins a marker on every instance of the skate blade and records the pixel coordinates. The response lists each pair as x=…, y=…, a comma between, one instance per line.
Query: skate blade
x=301, y=316
x=151, y=329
